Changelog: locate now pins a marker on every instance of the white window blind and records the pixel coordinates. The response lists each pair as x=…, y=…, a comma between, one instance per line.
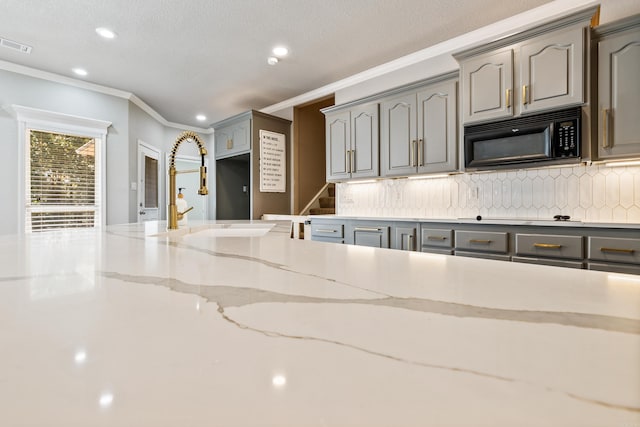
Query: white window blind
x=62, y=187
x=63, y=177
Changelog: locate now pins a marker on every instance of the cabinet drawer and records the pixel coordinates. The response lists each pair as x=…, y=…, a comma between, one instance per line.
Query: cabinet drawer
x=430, y=250
x=483, y=241
x=438, y=238
x=545, y=245
x=614, y=249
x=327, y=230
x=376, y=236
x=552, y=262
x=327, y=239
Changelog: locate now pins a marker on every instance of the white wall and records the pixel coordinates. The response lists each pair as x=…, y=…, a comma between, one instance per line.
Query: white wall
x=18, y=89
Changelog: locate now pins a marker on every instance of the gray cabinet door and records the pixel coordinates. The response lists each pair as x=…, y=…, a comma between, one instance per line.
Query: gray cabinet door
x=405, y=238
x=487, y=83
x=437, y=128
x=233, y=139
x=338, y=146
x=619, y=96
x=551, y=71
x=398, y=135
x=364, y=156
x=373, y=236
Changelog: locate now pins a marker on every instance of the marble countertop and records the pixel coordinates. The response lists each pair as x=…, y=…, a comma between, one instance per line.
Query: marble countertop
x=239, y=325
x=490, y=220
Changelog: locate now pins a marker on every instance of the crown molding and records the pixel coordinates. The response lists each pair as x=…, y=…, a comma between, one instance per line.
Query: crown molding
x=498, y=30
x=81, y=84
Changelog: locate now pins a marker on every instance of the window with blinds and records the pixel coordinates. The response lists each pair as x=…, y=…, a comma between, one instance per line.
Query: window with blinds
x=62, y=182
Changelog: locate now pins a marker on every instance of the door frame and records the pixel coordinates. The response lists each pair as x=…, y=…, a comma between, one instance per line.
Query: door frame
x=143, y=146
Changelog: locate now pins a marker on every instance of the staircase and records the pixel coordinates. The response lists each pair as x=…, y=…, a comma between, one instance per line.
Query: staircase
x=323, y=203
x=327, y=203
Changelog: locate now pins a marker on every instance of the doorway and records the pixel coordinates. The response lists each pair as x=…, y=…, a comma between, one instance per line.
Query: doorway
x=149, y=169
x=309, y=166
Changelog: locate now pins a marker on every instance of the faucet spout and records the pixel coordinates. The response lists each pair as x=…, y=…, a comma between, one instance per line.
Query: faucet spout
x=173, y=214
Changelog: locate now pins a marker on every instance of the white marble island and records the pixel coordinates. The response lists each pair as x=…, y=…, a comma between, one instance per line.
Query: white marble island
x=136, y=327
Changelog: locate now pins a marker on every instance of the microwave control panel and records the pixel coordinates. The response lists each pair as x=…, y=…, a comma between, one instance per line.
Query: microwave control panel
x=567, y=141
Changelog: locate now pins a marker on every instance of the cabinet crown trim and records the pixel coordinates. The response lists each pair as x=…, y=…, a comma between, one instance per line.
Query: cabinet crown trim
x=452, y=75
x=245, y=116
x=619, y=26
x=582, y=17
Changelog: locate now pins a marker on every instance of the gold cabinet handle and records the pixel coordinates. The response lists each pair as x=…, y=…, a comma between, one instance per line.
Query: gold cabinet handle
x=420, y=152
x=325, y=230
x=605, y=119
x=347, y=161
x=524, y=95
x=229, y=144
x=353, y=160
x=547, y=245
x=616, y=250
x=413, y=153
x=507, y=95
x=480, y=241
x=436, y=238
x=366, y=229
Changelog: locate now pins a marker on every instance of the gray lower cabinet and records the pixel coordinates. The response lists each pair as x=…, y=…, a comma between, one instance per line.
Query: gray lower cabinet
x=418, y=130
x=332, y=232
x=549, y=249
x=619, y=89
x=606, y=249
x=436, y=240
x=405, y=237
x=483, y=244
x=372, y=235
x=613, y=254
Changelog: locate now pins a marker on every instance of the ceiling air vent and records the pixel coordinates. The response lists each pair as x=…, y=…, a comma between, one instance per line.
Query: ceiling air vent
x=10, y=44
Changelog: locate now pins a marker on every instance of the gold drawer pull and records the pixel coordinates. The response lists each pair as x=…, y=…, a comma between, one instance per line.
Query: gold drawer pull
x=547, y=245
x=366, y=229
x=481, y=241
x=616, y=250
x=436, y=238
x=325, y=230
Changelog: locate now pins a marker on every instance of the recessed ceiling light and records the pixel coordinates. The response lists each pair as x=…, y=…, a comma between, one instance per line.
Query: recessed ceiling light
x=280, y=51
x=80, y=71
x=272, y=60
x=106, y=33
x=201, y=117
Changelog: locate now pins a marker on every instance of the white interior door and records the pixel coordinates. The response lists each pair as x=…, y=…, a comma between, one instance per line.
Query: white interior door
x=149, y=169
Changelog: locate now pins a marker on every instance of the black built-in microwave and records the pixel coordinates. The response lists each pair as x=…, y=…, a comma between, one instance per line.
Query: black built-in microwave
x=535, y=140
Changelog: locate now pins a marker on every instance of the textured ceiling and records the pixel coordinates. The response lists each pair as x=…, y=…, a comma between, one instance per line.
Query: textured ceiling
x=209, y=56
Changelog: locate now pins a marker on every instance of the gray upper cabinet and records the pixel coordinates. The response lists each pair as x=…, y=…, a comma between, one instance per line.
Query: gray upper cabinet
x=552, y=71
x=619, y=91
x=398, y=135
x=418, y=130
x=487, y=86
x=536, y=70
x=233, y=139
x=352, y=143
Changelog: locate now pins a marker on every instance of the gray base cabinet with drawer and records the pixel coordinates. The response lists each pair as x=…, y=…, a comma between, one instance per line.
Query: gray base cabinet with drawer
x=583, y=247
x=327, y=232
x=372, y=235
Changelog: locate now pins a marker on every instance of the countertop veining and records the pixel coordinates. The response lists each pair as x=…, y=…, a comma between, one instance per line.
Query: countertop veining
x=239, y=325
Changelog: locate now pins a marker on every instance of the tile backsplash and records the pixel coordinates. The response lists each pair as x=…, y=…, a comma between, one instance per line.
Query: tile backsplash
x=585, y=192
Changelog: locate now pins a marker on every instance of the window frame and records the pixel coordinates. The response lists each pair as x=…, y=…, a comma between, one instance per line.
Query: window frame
x=49, y=121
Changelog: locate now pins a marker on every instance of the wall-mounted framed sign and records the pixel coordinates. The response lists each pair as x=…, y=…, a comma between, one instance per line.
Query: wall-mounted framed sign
x=273, y=162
